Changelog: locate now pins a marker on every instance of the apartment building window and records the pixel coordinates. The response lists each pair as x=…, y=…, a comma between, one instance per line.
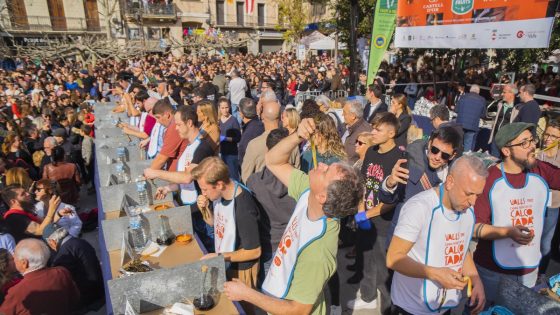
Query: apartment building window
x=260, y=12
x=240, y=10
x=58, y=18
x=220, y=12
x=92, y=15
x=18, y=14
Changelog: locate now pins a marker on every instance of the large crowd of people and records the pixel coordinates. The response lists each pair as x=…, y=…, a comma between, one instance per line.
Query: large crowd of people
x=278, y=183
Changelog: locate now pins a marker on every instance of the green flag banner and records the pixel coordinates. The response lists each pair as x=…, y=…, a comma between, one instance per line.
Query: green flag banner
x=383, y=28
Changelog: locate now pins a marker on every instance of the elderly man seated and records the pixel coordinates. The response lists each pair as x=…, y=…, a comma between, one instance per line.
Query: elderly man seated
x=43, y=290
x=79, y=257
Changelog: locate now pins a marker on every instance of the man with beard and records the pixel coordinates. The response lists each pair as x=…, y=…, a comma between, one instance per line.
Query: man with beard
x=20, y=218
x=510, y=212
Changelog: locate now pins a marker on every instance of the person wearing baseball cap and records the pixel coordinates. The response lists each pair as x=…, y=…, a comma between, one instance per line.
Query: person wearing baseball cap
x=510, y=212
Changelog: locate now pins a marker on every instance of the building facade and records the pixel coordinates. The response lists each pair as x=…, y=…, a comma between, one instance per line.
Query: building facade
x=155, y=24
x=31, y=21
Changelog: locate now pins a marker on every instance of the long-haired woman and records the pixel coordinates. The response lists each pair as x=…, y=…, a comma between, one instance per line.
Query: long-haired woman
x=208, y=120
x=327, y=142
x=290, y=119
x=399, y=107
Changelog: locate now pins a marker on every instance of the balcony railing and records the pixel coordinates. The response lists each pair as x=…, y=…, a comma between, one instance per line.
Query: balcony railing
x=137, y=9
x=50, y=24
x=231, y=21
x=145, y=44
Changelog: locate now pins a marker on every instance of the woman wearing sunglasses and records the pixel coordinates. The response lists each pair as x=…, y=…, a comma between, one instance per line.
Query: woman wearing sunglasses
x=364, y=141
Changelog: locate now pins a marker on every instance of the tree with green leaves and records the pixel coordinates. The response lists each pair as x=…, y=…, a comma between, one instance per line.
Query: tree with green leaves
x=294, y=15
x=291, y=16
x=341, y=19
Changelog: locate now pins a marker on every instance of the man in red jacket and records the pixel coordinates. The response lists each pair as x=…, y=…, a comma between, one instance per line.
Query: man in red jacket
x=42, y=290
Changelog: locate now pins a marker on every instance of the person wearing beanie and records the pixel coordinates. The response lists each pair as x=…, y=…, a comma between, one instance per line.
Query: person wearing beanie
x=511, y=210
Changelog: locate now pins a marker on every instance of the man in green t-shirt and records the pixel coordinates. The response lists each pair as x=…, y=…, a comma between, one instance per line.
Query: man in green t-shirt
x=306, y=256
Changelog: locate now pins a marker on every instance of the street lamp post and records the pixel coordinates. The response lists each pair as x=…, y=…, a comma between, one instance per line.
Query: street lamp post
x=353, y=30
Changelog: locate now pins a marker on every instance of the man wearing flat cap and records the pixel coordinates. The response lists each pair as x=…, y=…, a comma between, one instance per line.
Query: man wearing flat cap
x=510, y=212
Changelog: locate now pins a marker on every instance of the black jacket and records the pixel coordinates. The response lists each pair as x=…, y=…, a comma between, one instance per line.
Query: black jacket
x=380, y=109
x=529, y=112
x=79, y=257
x=251, y=130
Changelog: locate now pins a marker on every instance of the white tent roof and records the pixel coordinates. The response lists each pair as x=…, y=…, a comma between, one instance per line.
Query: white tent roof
x=326, y=43
x=313, y=37
x=555, y=57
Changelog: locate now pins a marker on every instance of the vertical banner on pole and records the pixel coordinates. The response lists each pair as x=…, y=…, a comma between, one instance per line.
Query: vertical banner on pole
x=383, y=27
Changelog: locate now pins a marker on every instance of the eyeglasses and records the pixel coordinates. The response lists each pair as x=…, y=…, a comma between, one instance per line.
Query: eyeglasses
x=548, y=135
x=39, y=188
x=358, y=142
x=524, y=144
x=435, y=150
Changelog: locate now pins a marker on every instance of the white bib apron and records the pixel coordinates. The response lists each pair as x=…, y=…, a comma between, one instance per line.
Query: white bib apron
x=155, y=146
x=134, y=120
x=525, y=206
x=188, y=192
x=299, y=234
x=448, y=243
x=142, y=121
x=224, y=225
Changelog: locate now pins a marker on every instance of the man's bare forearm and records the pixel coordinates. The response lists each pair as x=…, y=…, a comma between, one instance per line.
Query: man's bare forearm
x=275, y=306
x=490, y=232
x=159, y=161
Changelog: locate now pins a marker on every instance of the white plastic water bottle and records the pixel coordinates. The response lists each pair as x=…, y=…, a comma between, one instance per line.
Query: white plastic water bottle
x=142, y=192
x=121, y=154
x=122, y=175
x=137, y=236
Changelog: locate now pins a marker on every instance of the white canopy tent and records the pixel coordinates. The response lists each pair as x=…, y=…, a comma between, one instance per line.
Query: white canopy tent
x=326, y=43
x=311, y=38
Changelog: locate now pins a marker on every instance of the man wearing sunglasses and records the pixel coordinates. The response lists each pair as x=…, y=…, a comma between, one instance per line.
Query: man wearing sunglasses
x=426, y=166
x=510, y=213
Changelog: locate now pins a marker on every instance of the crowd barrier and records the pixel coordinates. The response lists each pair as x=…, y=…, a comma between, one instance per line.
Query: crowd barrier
x=332, y=95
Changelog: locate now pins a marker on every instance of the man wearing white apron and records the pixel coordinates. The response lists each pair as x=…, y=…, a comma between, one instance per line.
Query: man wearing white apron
x=510, y=213
x=306, y=256
x=142, y=127
x=234, y=215
x=173, y=144
x=180, y=178
x=429, y=249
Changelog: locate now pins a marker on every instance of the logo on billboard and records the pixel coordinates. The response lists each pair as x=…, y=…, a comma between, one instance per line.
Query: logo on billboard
x=461, y=7
x=520, y=34
x=389, y=4
x=379, y=41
